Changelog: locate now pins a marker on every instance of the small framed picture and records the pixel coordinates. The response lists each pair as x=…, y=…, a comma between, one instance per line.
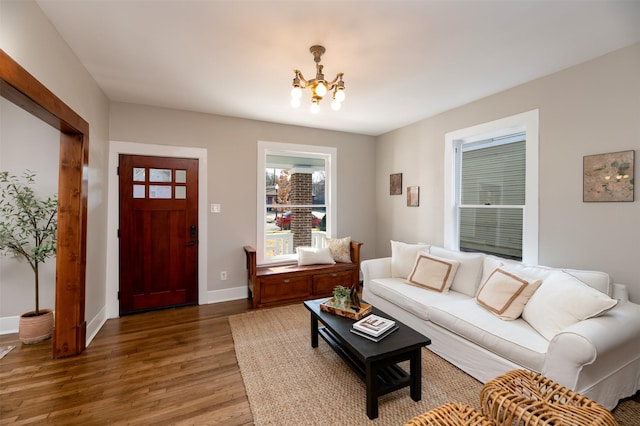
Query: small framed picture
x=413, y=196
x=395, y=184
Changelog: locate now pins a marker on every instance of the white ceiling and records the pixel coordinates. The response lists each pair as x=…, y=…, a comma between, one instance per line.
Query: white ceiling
x=402, y=60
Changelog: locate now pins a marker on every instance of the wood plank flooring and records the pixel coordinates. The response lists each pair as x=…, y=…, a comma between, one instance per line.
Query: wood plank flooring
x=175, y=366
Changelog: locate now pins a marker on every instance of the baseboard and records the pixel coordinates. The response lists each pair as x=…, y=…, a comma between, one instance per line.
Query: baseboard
x=235, y=293
x=94, y=326
x=9, y=325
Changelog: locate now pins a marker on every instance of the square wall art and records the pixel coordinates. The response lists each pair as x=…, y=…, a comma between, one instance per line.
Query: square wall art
x=608, y=177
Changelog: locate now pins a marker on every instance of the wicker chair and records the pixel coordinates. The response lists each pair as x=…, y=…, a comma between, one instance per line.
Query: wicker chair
x=521, y=397
x=451, y=415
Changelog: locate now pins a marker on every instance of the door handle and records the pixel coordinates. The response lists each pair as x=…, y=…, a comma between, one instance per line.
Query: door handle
x=190, y=244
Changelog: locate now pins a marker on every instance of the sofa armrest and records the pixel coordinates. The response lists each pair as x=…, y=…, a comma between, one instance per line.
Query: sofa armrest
x=375, y=268
x=604, y=343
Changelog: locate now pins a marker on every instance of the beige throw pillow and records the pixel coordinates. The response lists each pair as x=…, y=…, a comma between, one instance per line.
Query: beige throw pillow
x=432, y=272
x=505, y=294
x=340, y=248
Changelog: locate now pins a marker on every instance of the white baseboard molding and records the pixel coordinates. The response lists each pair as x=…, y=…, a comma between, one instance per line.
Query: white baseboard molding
x=235, y=293
x=9, y=325
x=94, y=326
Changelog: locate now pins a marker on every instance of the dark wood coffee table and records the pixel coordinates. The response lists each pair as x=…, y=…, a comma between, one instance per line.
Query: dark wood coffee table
x=375, y=362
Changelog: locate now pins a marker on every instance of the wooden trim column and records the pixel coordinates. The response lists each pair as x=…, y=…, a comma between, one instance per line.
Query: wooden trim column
x=21, y=88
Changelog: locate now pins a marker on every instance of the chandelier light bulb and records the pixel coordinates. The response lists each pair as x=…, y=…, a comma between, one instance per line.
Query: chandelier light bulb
x=295, y=102
x=336, y=105
x=321, y=89
x=315, y=108
x=296, y=92
x=339, y=96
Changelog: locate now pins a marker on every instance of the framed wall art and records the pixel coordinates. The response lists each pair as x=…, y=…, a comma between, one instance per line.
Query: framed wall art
x=395, y=184
x=608, y=177
x=413, y=196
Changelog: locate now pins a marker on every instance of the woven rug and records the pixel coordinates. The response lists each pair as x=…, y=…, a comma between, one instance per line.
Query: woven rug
x=290, y=383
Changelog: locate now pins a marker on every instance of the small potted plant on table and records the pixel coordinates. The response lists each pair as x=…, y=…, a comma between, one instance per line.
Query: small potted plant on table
x=341, y=297
x=28, y=230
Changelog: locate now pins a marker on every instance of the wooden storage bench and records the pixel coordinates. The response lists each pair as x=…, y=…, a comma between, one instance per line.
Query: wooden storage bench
x=277, y=285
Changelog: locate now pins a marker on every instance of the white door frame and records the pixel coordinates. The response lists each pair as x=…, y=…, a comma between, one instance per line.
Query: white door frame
x=113, y=261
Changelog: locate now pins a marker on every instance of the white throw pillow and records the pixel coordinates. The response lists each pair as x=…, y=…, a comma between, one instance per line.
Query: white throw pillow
x=314, y=256
x=469, y=273
x=403, y=257
x=432, y=272
x=340, y=248
x=505, y=294
x=563, y=300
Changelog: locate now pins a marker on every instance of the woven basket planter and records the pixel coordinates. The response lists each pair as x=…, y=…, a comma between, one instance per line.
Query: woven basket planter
x=451, y=415
x=35, y=328
x=522, y=397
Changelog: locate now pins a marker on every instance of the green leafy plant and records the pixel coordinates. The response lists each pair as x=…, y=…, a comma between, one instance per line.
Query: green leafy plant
x=340, y=292
x=28, y=224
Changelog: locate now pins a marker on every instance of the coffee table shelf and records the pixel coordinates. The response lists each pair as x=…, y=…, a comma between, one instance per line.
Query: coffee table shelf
x=376, y=363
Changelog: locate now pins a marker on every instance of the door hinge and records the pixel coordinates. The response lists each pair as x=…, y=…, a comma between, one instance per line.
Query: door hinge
x=118, y=170
x=118, y=233
x=118, y=295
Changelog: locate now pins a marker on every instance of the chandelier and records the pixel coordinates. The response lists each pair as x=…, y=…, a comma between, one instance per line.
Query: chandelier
x=318, y=86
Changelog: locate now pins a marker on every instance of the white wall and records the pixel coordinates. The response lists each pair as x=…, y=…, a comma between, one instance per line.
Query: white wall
x=231, y=145
x=588, y=109
x=18, y=129
x=29, y=38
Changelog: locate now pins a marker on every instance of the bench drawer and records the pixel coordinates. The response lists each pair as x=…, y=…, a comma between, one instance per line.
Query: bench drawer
x=323, y=284
x=284, y=288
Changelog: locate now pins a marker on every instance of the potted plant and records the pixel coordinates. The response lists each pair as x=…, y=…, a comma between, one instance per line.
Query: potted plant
x=28, y=230
x=341, y=297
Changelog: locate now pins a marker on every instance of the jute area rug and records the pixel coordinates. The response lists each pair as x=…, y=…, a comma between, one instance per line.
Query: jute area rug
x=290, y=383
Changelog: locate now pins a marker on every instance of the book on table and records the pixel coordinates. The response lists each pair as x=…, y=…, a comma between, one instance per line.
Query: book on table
x=374, y=338
x=373, y=325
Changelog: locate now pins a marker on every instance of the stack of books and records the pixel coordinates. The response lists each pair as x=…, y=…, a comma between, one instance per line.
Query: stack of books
x=374, y=327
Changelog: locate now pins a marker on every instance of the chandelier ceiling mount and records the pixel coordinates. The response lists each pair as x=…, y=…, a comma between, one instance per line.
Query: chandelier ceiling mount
x=318, y=86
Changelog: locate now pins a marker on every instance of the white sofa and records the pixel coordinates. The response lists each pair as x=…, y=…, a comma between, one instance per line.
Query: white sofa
x=598, y=357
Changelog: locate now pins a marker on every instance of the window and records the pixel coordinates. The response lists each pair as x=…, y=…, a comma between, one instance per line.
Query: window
x=491, y=188
x=296, y=190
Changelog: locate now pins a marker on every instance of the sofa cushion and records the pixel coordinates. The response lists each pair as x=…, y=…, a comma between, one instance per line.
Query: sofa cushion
x=563, y=300
x=505, y=294
x=340, y=248
x=403, y=256
x=594, y=279
x=433, y=273
x=514, y=340
x=469, y=272
x=413, y=299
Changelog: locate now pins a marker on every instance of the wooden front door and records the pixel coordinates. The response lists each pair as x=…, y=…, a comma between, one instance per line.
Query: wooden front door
x=158, y=232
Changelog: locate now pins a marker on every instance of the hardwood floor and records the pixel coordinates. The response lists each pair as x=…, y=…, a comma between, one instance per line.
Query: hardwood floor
x=175, y=366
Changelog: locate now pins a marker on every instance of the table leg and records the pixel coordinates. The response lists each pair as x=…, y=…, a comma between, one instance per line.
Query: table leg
x=314, y=331
x=415, y=364
x=371, y=383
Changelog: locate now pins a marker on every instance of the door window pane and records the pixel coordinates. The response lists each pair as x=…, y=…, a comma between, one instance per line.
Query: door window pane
x=181, y=192
x=159, y=175
x=138, y=191
x=181, y=176
x=138, y=174
x=160, y=191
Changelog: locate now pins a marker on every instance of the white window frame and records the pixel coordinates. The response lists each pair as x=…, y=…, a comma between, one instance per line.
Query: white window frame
x=525, y=122
x=329, y=154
